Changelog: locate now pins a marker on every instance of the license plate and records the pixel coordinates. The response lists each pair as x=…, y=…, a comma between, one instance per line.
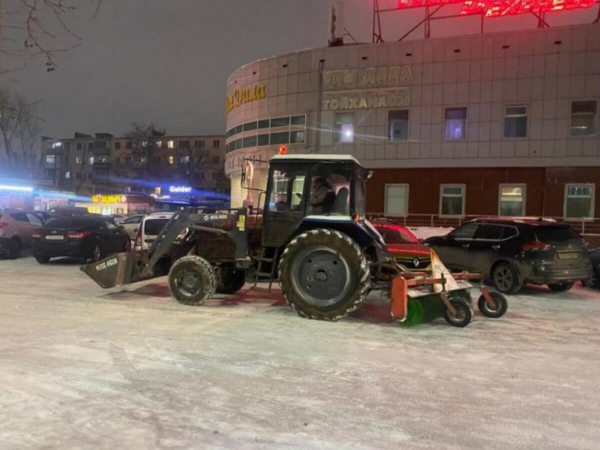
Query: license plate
x=55, y=238
x=568, y=255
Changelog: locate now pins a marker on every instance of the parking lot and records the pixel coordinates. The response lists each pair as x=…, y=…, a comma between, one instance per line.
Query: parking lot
x=131, y=368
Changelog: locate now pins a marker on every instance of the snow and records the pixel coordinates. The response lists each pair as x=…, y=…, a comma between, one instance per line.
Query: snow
x=131, y=368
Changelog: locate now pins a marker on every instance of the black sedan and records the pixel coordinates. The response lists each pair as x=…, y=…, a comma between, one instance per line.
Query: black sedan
x=514, y=252
x=89, y=237
x=594, y=280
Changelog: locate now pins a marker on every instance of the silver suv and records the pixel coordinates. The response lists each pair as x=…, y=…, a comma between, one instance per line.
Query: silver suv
x=16, y=228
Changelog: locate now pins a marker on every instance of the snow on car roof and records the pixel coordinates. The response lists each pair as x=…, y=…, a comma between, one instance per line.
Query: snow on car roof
x=313, y=157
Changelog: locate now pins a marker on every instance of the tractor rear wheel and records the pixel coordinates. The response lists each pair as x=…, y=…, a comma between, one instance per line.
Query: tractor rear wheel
x=464, y=312
x=231, y=281
x=324, y=274
x=192, y=280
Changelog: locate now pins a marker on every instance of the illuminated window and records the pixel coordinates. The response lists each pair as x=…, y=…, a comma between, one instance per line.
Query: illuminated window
x=185, y=160
x=512, y=200
x=456, y=124
x=91, y=160
x=579, y=201
x=158, y=144
x=170, y=144
x=344, y=127
x=79, y=160
x=50, y=159
x=396, y=199
x=583, y=118
x=515, y=121
x=171, y=160
x=67, y=175
x=452, y=200
x=398, y=125
x=57, y=145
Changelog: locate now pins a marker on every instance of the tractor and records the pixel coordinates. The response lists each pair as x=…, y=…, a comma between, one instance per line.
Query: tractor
x=311, y=237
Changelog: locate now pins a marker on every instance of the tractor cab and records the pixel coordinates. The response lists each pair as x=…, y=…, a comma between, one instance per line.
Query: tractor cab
x=304, y=189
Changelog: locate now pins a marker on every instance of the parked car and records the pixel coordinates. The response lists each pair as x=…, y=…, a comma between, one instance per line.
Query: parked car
x=403, y=245
x=118, y=218
x=594, y=280
x=91, y=237
x=150, y=228
x=513, y=252
x=131, y=225
x=16, y=228
x=68, y=211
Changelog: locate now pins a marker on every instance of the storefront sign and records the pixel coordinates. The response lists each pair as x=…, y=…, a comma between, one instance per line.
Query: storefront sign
x=15, y=190
x=109, y=199
x=367, y=78
x=180, y=189
x=245, y=95
x=366, y=100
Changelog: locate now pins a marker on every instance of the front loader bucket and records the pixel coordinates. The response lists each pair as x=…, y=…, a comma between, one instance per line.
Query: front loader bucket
x=116, y=270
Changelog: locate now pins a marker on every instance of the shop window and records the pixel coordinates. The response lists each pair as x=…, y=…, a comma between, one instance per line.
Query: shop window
x=263, y=139
x=515, y=121
x=299, y=120
x=249, y=142
x=398, y=125
x=344, y=127
x=50, y=159
x=280, y=138
x=170, y=144
x=512, y=200
x=452, y=200
x=250, y=126
x=216, y=143
x=579, y=201
x=583, y=118
x=456, y=124
x=263, y=123
x=280, y=122
x=396, y=199
x=297, y=137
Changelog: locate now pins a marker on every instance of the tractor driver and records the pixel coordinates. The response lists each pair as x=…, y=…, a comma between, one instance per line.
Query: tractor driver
x=322, y=196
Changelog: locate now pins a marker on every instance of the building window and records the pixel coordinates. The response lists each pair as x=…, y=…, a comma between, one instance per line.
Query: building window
x=50, y=159
x=127, y=159
x=216, y=160
x=344, y=127
x=78, y=175
x=280, y=122
x=511, y=200
x=56, y=145
x=452, y=200
x=299, y=120
x=91, y=160
x=216, y=143
x=280, y=138
x=199, y=144
x=67, y=146
x=91, y=146
x=171, y=144
x=515, y=121
x=396, y=199
x=250, y=126
x=158, y=144
x=263, y=123
x=579, y=201
x=79, y=146
x=128, y=145
x=201, y=176
x=67, y=175
x=184, y=144
x=185, y=160
x=249, y=142
x=398, y=125
x=297, y=137
x=583, y=118
x=263, y=139
x=456, y=124
x=117, y=146
x=171, y=160
x=78, y=160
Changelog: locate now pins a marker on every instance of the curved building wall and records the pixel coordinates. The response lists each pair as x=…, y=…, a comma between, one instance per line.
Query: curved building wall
x=473, y=103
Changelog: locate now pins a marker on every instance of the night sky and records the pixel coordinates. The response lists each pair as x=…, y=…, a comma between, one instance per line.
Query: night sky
x=167, y=61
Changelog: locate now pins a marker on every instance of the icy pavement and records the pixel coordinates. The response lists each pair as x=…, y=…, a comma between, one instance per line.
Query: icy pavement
x=82, y=368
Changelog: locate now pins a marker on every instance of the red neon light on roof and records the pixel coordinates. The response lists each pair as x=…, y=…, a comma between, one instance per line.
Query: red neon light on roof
x=498, y=8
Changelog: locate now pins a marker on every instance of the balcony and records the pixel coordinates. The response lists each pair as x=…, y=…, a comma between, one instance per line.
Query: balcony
x=101, y=165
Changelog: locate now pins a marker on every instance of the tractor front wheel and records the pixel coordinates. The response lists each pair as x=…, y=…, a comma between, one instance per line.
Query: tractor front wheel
x=324, y=274
x=192, y=280
x=493, y=312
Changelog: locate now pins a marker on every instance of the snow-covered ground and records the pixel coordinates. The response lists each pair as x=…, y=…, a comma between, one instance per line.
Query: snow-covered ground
x=131, y=368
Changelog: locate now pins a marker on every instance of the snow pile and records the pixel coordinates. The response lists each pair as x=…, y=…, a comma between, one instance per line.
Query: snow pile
x=427, y=232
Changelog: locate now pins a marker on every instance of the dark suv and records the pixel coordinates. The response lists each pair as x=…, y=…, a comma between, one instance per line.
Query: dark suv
x=513, y=252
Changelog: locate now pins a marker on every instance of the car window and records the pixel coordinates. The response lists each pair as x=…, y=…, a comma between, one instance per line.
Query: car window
x=35, y=220
x=490, y=232
x=133, y=220
x=394, y=234
x=509, y=232
x=556, y=234
x=153, y=227
x=19, y=216
x=465, y=232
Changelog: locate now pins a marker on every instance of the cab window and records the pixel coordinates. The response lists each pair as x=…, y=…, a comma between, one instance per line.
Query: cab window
x=330, y=190
x=287, y=191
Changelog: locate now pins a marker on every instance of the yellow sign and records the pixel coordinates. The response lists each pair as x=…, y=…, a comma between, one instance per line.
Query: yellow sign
x=109, y=199
x=245, y=95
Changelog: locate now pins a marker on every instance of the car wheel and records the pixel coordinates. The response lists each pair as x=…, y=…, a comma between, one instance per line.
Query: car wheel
x=42, y=259
x=505, y=278
x=561, y=287
x=591, y=282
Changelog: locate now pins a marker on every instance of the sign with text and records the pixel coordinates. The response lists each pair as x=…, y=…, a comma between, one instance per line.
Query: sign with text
x=109, y=199
x=370, y=77
x=245, y=95
x=498, y=8
x=388, y=98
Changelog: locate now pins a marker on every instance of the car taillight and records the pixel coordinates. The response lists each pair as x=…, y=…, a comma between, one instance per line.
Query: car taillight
x=79, y=235
x=138, y=239
x=535, y=245
x=36, y=235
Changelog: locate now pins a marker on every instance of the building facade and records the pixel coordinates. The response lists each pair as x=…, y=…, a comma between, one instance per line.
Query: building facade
x=513, y=115
x=103, y=163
